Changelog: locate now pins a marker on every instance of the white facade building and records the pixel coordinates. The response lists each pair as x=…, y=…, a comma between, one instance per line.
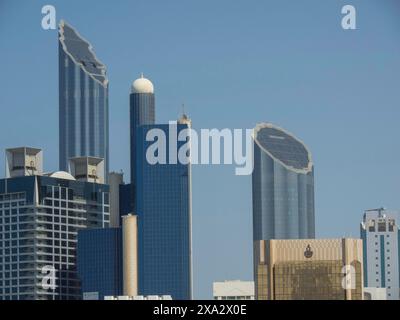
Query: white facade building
x=165, y=297
x=375, y=294
x=233, y=290
x=381, y=238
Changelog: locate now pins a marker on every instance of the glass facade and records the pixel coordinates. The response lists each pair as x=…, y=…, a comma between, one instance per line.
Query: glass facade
x=163, y=201
x=40, y=218
x=100, y=262
x=142, y=112
x=309, y=269
x=83, y=100
x=125, y=200
x=283, y=186
x=313, y=280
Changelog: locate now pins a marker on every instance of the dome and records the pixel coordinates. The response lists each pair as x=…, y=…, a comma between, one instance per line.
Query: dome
x=142, y=85
x=62, y=175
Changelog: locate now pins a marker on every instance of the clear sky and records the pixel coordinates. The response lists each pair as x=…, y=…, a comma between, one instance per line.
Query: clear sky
x=233, y=64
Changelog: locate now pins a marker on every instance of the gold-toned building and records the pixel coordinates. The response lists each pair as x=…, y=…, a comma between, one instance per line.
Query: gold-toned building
x=309, y=269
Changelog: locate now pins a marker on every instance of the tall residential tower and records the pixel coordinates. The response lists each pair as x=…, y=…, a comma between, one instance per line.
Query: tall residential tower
x=83, y=100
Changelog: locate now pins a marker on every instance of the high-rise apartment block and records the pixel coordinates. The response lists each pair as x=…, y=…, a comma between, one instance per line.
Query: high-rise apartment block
x=381, y=238
x=40, y=216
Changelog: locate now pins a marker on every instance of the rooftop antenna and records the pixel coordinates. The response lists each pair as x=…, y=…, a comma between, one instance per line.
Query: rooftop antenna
x=183, y=109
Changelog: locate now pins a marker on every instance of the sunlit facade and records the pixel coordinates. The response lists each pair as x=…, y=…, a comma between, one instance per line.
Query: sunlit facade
x=308, y=269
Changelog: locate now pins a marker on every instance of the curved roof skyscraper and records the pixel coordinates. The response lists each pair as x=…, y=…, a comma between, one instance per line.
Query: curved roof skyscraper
x=83, y=100
x=283, y=186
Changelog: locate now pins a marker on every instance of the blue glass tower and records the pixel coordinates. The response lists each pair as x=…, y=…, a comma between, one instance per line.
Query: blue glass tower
x=163, y=202
x=100, y=262
x=283, y=186
x=142, y=112
x=83, y=100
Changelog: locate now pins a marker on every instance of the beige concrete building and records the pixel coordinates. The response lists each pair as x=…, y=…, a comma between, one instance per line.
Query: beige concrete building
x=309, y=269
x=130, y=255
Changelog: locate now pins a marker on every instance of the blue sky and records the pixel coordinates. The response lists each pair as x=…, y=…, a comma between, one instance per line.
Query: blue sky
x=233, y=64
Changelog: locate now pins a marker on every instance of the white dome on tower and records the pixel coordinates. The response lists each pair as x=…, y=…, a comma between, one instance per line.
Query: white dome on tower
x=142, y=85
x=61, y=175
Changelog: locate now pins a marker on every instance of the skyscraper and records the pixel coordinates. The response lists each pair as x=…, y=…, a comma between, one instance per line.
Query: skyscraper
x=83, y=100
x=164, y=209
x=142, y=112
x=381, y=239
x=40, y=216
x=283, y=186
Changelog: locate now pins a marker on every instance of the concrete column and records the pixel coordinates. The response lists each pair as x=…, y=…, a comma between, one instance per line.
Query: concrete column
x=130, y=255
